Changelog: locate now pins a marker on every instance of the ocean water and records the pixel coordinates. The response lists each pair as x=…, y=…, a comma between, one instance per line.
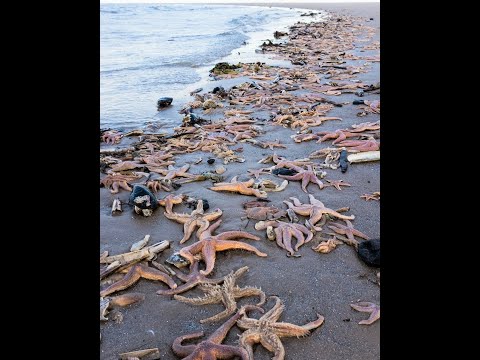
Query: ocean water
x=152, y=50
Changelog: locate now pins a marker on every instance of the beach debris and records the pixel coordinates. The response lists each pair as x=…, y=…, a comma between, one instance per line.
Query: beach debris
x=177, y=260
x=210, y=161
x=143, y=199
x=292, y=216
x=111, y=136
x=267, y=330
x=361, y=145
x=146, y=354
x=257, y=172
x=209, y=244
x=255, y=203
x=227, y=293
x=374, y=196
x=122, y=300
x=195, y=91
x=198, y=161
x=118, y=181
x=244, y=188
x=220, y=169
x=343, y=161
x=140, y=244
x=279, y=34
x=198, y=218
x=315, y=210
x=284, y=232
x=163, y=268
x=116, y=206
x=212, y=347
x=117, y=262
x=269, y=185
x=135, y=273
x=369, y=252
x=367, y=307
x=164, y=102
x=224, y=68
x=364, y=156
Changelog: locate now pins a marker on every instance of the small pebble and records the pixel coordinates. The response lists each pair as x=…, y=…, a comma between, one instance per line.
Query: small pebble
x=210, y=161
x=220, y=169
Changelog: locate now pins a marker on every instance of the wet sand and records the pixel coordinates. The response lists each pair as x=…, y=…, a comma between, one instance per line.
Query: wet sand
x=314, y=283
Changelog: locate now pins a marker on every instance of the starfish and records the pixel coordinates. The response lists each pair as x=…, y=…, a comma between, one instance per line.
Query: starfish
x=190, y=281
x=337, y=183
x=360, y=145
x=257, y=172
x=281, y=162
x=271, y=144
x=267, y=331
x=306, y=176
x=327, y=245
x=285, y=231
x=244, y=188
x=304, y=137
x=134, y=274
x=368, y=307
x=374, y=196
x=212, y=348
x=348, y=230
x=121, y=300
x=170, y=200
x=209, y=244
x=173, y=172
x=366, y=126
x=196, y=218
x=338, y=135
x=116, y=181
x=314, y=210
x=126, y=165
x=225, y=293
x=112, y=136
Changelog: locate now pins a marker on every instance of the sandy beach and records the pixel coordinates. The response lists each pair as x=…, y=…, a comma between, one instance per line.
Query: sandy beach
x=312, y=284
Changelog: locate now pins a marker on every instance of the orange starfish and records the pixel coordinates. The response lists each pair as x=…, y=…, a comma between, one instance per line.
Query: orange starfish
x=212, y=348
x=268, y=331
x=315, y=209
x=374, y=196
x=196, y=218
x=244, y=188
x=170, y=200
x=209, y=244
x=337, y=183
x=306, y=176
x=116, y=181
x=135, y=273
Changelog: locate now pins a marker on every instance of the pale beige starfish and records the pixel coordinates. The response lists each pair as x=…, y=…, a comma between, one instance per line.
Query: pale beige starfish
x=368, y=307
x=244, y=188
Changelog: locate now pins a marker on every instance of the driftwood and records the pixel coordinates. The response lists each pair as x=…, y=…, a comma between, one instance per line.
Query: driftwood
x=146, y=354
x=364, y=156
x=140, y=244
x=115, y=151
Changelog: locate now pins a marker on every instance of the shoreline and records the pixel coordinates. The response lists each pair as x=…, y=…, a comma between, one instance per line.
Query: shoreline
x=314, y=283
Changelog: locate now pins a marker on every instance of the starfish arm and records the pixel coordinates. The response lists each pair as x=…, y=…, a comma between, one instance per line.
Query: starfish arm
x=272, y=343
x=296, y=202
x=213, y=216
x=124, y=185
x=205, y=300
x=202, y=226
x=262, y=225
x=225, y=187
x=275, y=312
x=341, y=136
x=209, y=255
x=305, y=181
x=300, y=238
x=284, y=329
x=227, y=235
x=219, y=334
x=188, y=251
x=187, y=277
x=305, y=231
x=279, y=237
x=180, y=289
x=338, y=215
x=222, y=245
x=154, y=274
x=337, y=230
x=360, y=234
x=287, y=241
x=247, y=340
x=180, y=218
x=185, y=350
x=126, y=299
x=250, y=291
x=208, y=232
x=292, y=177
x=316, y=180
x=188, y=229
x=229, y=351
x=114, y=189
x=128, y=280
x=374, y=316
x=230, y=307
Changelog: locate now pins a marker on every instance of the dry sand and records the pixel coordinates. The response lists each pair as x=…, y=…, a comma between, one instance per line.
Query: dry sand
x=314, y=283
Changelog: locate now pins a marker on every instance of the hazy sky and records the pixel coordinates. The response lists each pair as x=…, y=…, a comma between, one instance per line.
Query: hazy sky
x=232, y=1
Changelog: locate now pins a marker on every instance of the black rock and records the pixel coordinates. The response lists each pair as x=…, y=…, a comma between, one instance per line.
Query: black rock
x=371, y=18
x=139, y=191
x=284, y=171
x=369, y=252
x=164, y=102
x=206, y=205
x=210, y=161
x=343, y=161
x=358, y=102
x=217, y=89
